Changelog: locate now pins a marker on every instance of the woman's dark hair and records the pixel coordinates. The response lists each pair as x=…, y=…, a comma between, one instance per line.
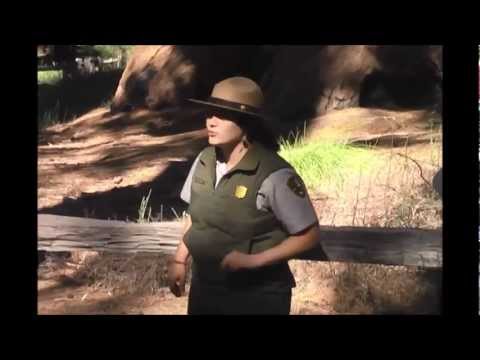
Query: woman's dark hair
x=258, y=131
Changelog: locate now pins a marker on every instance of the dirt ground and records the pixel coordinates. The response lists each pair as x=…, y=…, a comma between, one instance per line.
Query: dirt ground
x=101, y=166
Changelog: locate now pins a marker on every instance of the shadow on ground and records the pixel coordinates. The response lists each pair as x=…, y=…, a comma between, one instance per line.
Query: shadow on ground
x=124, y=203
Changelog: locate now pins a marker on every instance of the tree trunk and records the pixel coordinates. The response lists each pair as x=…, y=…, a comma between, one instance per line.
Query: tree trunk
x=338, y=97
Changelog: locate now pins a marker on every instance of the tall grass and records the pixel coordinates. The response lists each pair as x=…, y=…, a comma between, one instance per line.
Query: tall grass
x=109, y=51
x=62, y=100
x=320, y=161
x=53, y=116
x=49, y=77
x=143, y=216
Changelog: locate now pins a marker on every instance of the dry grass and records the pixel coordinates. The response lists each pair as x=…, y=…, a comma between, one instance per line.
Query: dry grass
x=125, y=274
x=377, y=289
x=391, y=195
x=115, y=273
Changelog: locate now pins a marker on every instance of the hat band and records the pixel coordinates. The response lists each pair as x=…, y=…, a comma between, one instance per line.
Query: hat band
x=234, y=105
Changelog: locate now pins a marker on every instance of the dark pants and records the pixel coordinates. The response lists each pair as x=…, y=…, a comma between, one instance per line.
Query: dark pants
x=209, y=300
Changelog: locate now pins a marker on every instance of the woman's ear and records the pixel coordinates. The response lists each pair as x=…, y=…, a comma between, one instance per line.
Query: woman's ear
x=245, y=140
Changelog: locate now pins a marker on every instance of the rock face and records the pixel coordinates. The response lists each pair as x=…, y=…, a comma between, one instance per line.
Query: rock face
x=300, y=82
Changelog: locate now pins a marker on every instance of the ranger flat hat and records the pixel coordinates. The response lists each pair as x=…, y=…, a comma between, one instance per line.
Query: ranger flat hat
x=236, y=94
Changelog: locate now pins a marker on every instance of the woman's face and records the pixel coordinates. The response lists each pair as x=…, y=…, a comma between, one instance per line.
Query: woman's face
x=222, y=131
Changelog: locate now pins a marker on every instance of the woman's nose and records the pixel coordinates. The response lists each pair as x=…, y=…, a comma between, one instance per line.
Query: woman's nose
x=211, y=122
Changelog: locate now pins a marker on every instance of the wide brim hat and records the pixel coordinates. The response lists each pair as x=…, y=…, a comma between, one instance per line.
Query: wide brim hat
x=235, y=95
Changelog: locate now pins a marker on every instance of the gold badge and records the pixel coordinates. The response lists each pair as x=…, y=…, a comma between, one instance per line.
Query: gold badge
x=296, y=185
x=240, y=191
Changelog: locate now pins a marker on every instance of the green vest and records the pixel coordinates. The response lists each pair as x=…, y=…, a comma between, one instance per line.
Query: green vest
x=226, y=218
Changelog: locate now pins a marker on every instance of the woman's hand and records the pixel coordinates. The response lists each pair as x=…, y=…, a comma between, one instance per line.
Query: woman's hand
x=236, y=260
x=176, y=278
x=177, y=265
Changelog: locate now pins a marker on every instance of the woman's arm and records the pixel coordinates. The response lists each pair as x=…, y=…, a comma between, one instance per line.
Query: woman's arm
x=182, y=254
x=291, y=247
x=286, y=196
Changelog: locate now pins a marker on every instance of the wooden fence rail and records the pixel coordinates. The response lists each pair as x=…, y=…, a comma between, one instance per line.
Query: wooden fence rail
x=388, y=246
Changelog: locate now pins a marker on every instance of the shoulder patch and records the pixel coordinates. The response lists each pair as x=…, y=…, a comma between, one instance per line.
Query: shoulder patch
x=295, y=184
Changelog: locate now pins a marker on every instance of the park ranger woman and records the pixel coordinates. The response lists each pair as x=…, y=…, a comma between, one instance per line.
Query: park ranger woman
x=249, y=212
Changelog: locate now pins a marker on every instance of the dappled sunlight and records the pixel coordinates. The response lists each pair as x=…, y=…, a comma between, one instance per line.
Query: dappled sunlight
x=376, y=126
x=99, y=151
